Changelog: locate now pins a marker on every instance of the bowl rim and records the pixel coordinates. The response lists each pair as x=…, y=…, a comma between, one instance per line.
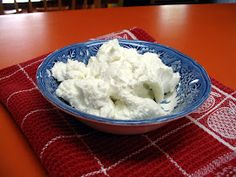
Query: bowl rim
x=90, y=117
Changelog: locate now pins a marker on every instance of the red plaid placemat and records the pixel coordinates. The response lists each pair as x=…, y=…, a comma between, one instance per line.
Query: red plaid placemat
x=202, y=143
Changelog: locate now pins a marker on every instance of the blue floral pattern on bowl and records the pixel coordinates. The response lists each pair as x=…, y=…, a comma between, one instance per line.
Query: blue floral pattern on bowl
x=192, y=91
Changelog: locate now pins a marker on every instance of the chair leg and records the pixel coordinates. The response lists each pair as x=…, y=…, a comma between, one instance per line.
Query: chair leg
x=97, y=3
x=120, y=2
x=16, y=6
x=59, y=4
x=85, y=5
x=73, y=4
x=1, y=8
x=45, y=5
x=30, y=6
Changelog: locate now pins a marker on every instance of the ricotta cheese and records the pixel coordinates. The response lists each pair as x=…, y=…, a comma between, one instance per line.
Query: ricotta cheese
x=118, y=83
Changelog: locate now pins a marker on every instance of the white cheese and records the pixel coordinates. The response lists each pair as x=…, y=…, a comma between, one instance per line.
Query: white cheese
x=118, y=83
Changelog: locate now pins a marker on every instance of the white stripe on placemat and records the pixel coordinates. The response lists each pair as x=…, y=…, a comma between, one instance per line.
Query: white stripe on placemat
x=211, y=133
x=32, y=112
x=17, y=92
x=53, y=140
x=116, y=34
x=119, y=161
x=228, y=170
x=217, y=105
x=167, y=156
x=92, y=173
x=102, y=169
x=223, y=92
x=5, y=77
x=131, y=34
x=27, y=75
x=148, y=145
x=139, y=150
x=214, y=164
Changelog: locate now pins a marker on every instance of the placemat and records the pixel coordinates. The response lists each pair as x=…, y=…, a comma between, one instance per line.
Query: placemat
x=200, y=144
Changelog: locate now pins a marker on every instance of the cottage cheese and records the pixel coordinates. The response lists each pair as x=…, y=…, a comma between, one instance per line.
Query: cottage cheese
x=118, y=83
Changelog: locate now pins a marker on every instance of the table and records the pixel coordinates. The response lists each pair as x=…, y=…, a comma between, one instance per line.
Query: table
x=203, y=32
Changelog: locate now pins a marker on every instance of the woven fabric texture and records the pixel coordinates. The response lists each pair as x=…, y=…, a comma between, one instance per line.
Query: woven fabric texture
x=200, y=144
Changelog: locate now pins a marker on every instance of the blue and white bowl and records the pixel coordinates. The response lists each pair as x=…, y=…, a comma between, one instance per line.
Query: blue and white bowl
x=193, y=90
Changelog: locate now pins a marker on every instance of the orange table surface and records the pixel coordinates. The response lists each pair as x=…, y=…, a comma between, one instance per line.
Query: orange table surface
x=206, y=33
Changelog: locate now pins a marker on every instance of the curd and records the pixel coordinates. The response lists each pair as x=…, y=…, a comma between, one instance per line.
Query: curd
x=118, y=83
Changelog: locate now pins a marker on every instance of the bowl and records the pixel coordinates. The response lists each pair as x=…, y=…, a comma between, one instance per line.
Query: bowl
x=193, y=90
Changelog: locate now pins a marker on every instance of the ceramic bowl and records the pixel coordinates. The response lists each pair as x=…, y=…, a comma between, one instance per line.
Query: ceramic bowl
x=193, y=90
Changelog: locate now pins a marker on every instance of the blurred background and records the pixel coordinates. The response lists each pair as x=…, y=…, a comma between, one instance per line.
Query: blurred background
x=28, y=6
